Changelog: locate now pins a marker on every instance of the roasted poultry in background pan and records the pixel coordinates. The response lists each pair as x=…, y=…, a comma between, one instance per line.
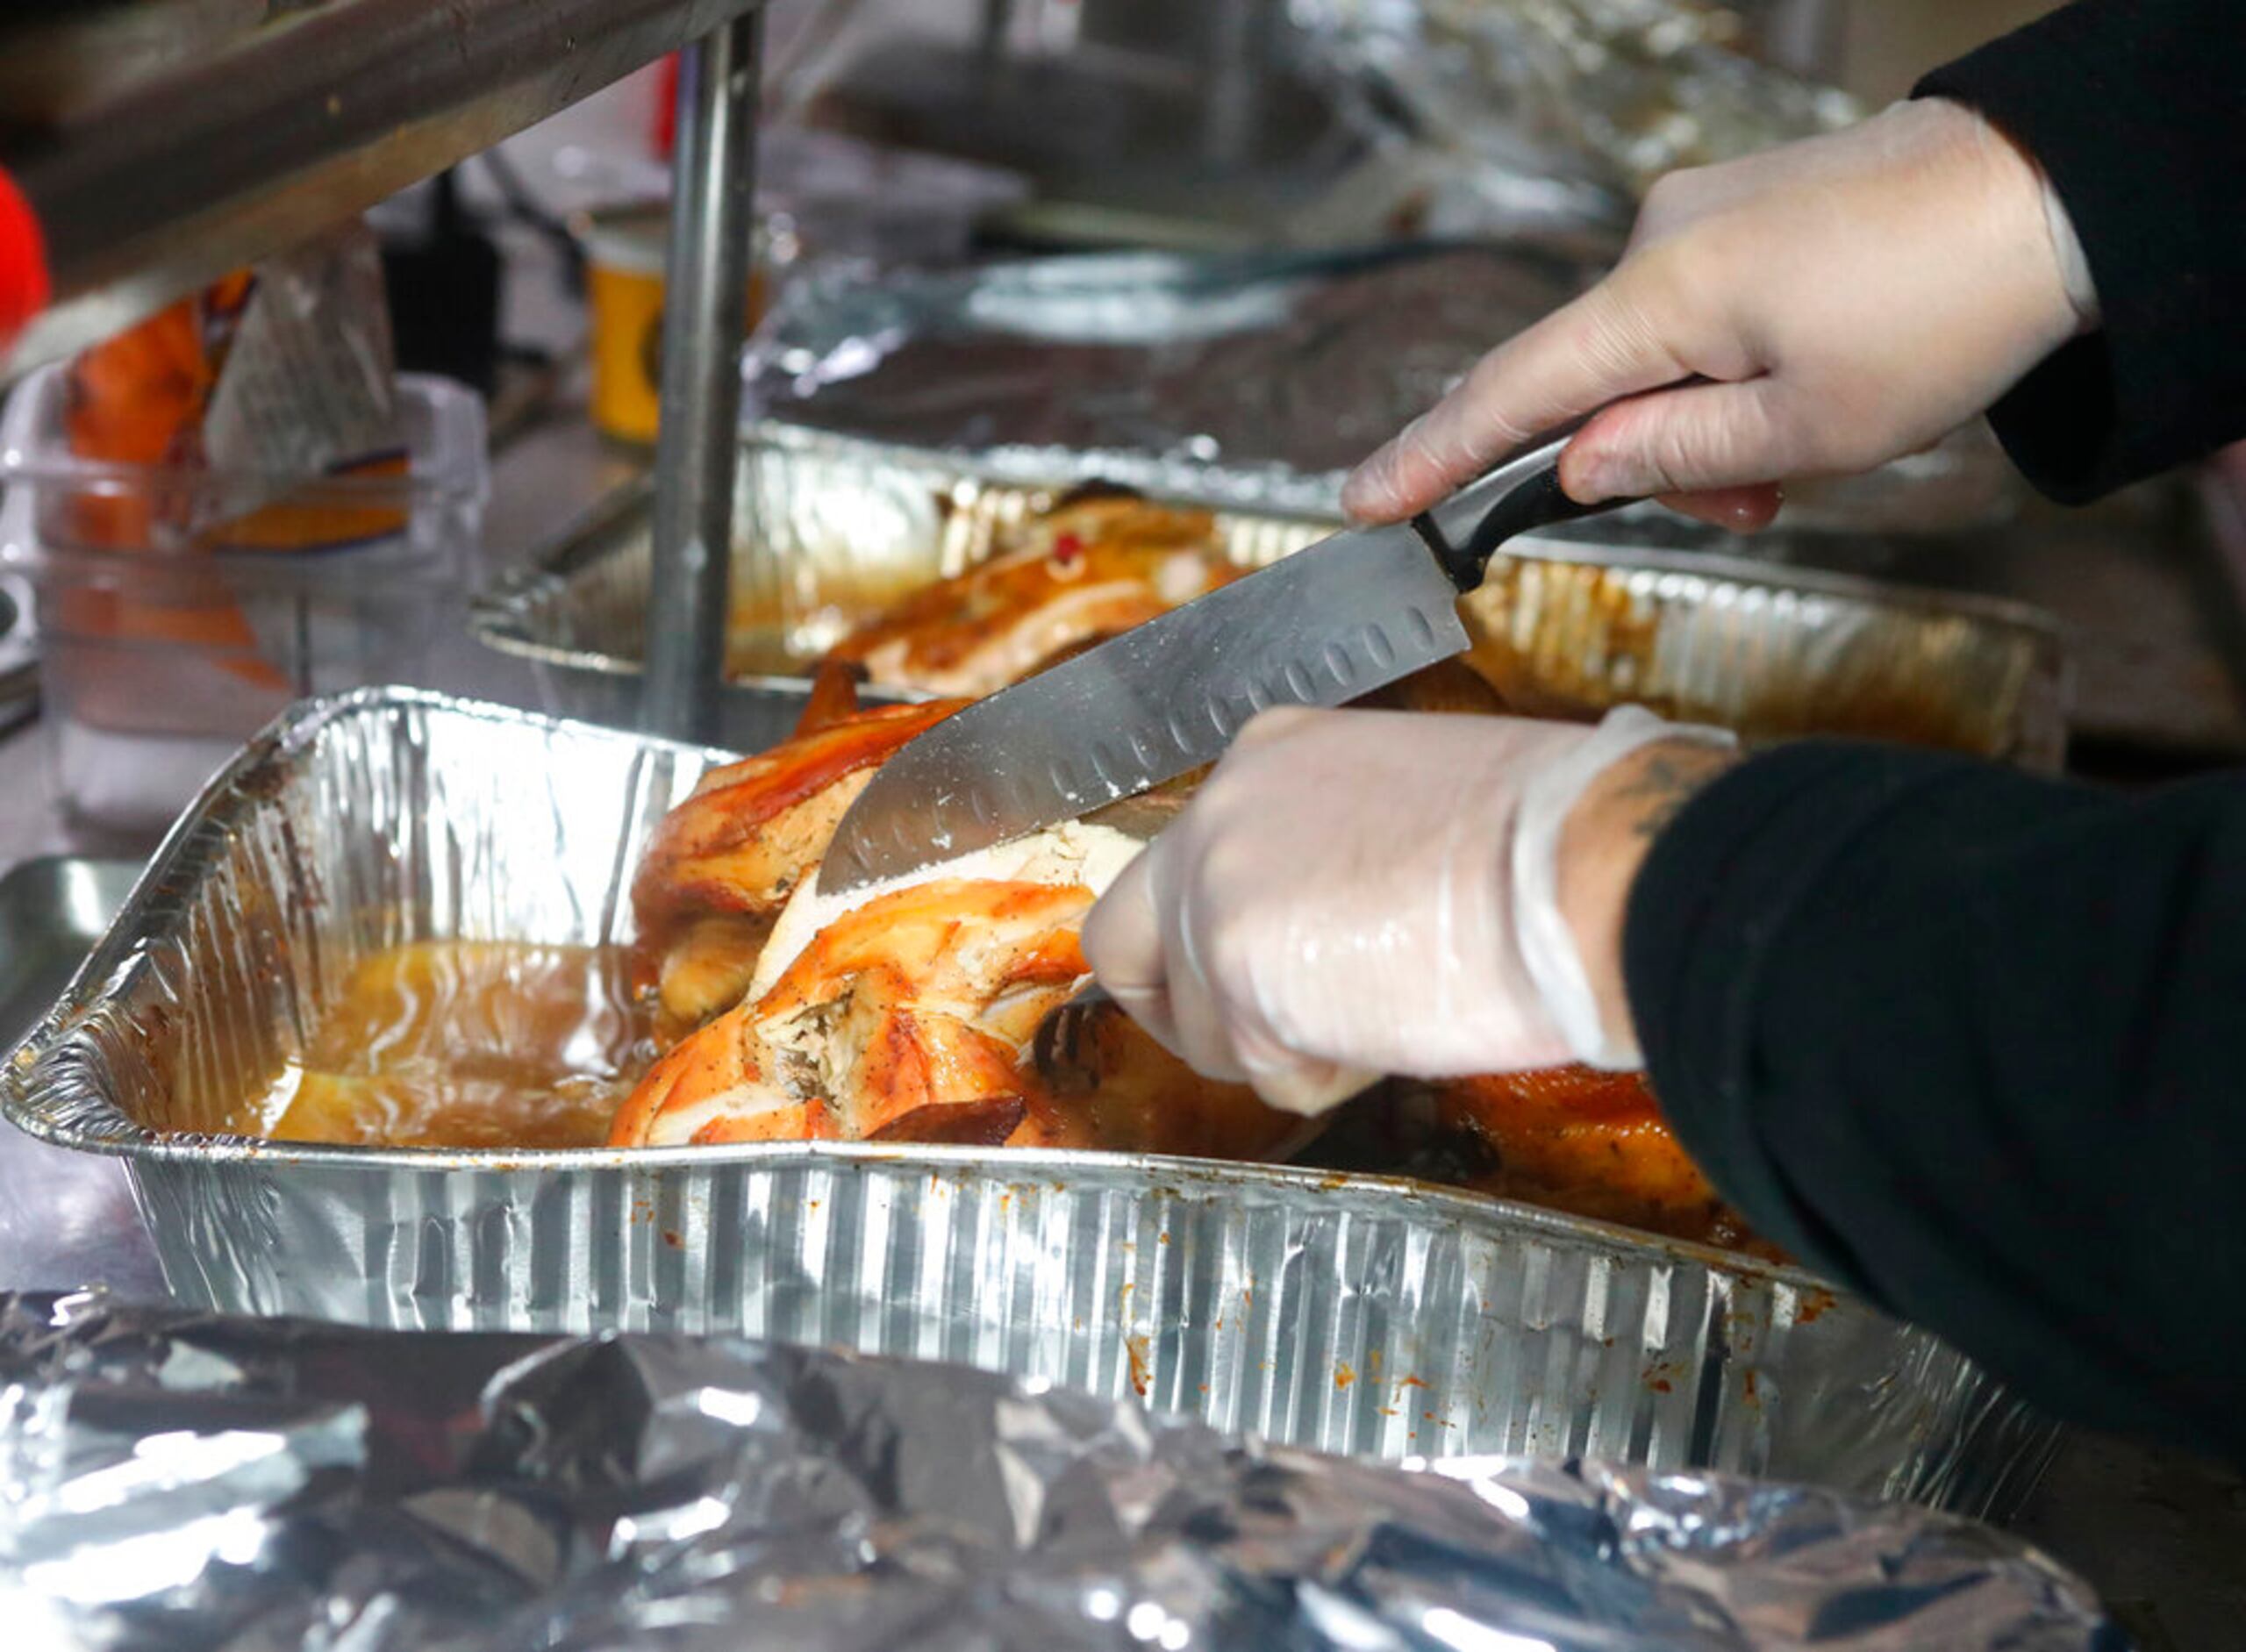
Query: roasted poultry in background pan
x=1094, y=566
x=1087, y=571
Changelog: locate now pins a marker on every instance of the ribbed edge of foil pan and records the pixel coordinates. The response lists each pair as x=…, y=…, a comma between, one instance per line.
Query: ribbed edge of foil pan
x=1345, y=1314
x=1571, y=624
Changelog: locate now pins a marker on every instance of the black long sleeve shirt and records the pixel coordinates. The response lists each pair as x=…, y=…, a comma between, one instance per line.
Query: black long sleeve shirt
x=2136, y=110
x=1971, y=1041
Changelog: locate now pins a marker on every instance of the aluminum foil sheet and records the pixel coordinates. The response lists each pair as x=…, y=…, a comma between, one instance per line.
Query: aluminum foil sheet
x=171, y=1479
x=1573, y=626
x=1624, y=89
x=1251, y=382
x=1336, y=1312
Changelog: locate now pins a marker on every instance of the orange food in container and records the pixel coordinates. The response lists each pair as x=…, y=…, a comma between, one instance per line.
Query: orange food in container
x=227, y=507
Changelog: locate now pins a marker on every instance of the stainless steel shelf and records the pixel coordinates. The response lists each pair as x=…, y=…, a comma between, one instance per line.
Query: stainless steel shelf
x=163, y=142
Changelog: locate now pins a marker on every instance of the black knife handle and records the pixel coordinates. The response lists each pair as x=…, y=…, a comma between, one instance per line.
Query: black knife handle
x=1527, y=496
x=1539, y=502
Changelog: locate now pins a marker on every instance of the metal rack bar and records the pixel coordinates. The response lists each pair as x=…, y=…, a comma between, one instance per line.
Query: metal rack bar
x=165, y=142
x=705, y=297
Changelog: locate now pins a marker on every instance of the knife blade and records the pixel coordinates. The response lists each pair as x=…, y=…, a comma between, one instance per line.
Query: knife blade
x=1334, y=621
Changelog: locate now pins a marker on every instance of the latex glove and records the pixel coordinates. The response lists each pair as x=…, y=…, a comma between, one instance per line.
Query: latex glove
x=1358, y=893
x=1855, y=298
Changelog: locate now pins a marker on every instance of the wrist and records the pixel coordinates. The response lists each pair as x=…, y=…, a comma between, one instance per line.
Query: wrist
x=1603, y=845
x=1609, y=768
x=2059, y=300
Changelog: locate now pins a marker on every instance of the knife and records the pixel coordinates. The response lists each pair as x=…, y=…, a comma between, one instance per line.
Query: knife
x=1335, y=621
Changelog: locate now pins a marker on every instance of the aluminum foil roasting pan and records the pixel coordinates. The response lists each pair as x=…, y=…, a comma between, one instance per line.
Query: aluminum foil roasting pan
x=842, y=525
x=1347, y=1313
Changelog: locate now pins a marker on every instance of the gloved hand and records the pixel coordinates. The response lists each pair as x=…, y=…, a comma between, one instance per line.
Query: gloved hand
x=1855, y=297
x=1358, y=893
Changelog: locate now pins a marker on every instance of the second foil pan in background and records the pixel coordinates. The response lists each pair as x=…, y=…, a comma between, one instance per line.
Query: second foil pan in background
x=1568, y=624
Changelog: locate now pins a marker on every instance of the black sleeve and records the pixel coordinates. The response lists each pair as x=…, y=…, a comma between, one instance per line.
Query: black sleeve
x=1974, y=1043
x=2136, y=110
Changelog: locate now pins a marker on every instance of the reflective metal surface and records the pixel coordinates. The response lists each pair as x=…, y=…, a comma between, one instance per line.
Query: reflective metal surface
x=713, y=225
x=1345, y=1313
x=1570, y=629
x=174, y=1479
x=67, y=1218
x=18, y=652
x=164, y=142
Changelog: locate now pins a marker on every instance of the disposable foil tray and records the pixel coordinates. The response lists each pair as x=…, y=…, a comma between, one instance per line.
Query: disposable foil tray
x=840, y=524
x=1347, y=1313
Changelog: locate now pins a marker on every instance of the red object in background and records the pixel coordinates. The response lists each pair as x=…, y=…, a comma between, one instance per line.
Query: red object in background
x=666, y=131
x=24, y=288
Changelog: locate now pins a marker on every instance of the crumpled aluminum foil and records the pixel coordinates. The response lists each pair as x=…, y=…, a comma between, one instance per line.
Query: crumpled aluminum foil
x=1611, y=92
x=1257, y=381
x=1249, y=382
x=171, y=1479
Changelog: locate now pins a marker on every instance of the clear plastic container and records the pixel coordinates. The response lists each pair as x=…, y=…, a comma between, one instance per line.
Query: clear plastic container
x=158, y=660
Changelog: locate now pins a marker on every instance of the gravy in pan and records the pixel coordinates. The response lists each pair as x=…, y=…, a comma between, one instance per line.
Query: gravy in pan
x=465, y=1044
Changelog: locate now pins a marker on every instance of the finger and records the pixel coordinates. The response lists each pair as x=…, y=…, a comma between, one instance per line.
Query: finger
x=1149, y=1007
x=1199, y=1020
x=1702, y=439
x=1734, y=510
x=1613, y=341
x=1122, y=939
x=1122, y=934
x=1308, y=1088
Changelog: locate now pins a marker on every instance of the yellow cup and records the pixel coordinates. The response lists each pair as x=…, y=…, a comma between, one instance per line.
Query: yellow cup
x=624, y=291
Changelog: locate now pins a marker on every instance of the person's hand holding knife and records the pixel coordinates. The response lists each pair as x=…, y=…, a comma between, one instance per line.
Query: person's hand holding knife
x=1352, y=894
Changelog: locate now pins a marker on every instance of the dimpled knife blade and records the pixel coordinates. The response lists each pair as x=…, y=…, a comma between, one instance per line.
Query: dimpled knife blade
x=1334, y=621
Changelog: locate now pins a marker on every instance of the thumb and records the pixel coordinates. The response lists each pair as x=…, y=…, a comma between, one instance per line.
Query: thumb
x=1122, y=941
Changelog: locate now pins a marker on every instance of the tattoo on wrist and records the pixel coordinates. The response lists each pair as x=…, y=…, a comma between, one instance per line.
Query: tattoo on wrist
x=1666, y=780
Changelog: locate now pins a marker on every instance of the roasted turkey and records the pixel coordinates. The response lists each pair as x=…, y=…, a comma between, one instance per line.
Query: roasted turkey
x=1066, y=582
x=1069, y=580
x=724, y=862
x=946, y=1008
x=905, y=1012
x=1589, y=1143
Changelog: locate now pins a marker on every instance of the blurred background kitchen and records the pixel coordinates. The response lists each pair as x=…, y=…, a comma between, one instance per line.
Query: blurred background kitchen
x=1212, y=248
x=1249, y=151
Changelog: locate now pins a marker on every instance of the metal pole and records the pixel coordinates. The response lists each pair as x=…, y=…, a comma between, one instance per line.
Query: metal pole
x=1232, y=83
x=1805, y=36
x=992, y=35
x=713, y=220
